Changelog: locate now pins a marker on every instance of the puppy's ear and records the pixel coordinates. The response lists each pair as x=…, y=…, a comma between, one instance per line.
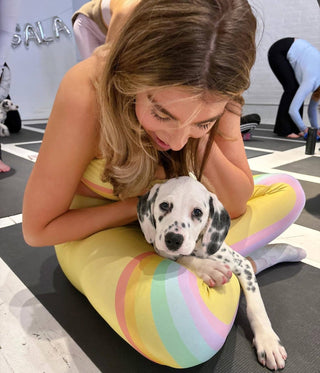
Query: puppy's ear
x=145, y=214
x=217, y=226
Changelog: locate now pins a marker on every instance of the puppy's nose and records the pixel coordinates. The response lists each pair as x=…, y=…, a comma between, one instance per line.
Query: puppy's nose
x=173, y=241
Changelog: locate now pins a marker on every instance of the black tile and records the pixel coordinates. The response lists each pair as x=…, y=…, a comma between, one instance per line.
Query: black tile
x=254, y=153
x=309, y=166
x=23, y=135
x=276, y=144
x=34, y=147
x=13, y=184
x=41, y=126
x=310, y=215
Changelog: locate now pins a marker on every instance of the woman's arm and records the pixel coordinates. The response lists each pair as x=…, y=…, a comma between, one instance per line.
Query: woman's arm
x=69, y=144
x=227, y=170
x=312, y=110
x=303, y=91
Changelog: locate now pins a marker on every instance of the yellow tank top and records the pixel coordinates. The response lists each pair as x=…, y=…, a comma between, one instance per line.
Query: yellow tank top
x=92, y=179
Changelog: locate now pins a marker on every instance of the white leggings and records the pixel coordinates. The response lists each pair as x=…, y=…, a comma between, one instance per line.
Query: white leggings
x=87, y=34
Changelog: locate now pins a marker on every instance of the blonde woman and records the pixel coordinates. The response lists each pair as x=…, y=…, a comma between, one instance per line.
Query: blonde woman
x=164, y=98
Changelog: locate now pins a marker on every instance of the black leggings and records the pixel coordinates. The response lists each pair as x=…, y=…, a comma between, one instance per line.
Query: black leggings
x=282, y=69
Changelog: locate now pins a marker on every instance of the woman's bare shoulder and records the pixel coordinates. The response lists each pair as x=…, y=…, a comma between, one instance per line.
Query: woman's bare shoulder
x=86, y=71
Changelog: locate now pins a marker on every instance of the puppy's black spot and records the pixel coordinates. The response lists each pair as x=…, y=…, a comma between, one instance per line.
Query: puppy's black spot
x=183, y=225
x=144, y=206
x=212, y=248
x=153, y=221
x=248, y=274
x=262, y=355
x=224, y=221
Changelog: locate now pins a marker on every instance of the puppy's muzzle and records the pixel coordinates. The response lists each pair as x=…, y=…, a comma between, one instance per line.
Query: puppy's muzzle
x=173, y=241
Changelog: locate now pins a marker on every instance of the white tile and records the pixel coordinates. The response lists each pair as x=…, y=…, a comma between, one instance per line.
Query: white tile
x=31, y=339
x=20, y=152
x=270, y=162
x=306, y=238
x=6, y=222
x=17, y=219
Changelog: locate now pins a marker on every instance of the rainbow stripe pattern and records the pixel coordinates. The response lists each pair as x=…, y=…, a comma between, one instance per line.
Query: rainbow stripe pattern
x=159, y=307
x=171, y=320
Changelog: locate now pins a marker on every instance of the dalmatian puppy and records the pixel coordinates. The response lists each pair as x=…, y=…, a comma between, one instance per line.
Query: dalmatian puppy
x=185, y=222
x=5, y=106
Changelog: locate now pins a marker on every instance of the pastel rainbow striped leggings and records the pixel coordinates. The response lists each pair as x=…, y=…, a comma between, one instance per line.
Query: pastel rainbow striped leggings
x=159, y=307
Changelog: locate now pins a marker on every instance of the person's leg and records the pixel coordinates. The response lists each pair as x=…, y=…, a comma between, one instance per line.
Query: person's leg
x=3, y=166
x=277, y=57
x=158, y=306
x=87, y=34
x=276, y=203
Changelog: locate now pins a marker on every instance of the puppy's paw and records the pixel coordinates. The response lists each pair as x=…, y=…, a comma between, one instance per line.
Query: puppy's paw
x=270, y=351
x=4, y=130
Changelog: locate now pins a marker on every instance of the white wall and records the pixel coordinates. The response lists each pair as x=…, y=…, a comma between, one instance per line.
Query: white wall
x=278, y=19
x=38, y=69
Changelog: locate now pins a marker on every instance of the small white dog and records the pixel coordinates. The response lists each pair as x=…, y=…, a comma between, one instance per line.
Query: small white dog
x=5, y=106
x=185, y=222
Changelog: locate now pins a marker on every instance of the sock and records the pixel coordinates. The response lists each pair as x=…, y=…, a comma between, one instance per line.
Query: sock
x=269, y=255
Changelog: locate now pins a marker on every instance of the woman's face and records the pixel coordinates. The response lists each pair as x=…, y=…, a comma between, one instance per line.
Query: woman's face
x=171, y=116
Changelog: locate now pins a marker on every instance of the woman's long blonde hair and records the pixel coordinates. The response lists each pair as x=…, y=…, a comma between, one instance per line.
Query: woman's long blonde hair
x=203, y=45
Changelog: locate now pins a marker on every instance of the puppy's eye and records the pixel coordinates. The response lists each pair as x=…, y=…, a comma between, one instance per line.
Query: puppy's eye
x=197, y=213
x=164, y=206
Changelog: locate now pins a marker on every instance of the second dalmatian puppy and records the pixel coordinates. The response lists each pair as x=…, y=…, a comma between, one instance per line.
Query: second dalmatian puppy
x=185, y=222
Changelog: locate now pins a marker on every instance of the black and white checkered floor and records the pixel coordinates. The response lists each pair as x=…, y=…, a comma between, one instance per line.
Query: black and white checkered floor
x=46, y=326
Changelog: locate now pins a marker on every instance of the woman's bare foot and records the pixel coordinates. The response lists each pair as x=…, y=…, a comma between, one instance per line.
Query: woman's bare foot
x=292, y=136
x=4, y=167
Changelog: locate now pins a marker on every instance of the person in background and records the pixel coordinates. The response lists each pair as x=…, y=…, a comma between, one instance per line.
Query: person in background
x=248, y=124
x=8, y=18
x=296, y=64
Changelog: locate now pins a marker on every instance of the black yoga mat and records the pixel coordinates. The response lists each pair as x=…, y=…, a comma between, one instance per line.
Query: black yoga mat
x=290, y=292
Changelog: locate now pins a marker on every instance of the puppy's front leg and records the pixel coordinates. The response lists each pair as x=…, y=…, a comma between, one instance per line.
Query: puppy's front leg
x=212, y=272
x=270, y=352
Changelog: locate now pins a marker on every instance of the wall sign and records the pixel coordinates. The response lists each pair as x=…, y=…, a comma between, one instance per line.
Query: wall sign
x=36, y=33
